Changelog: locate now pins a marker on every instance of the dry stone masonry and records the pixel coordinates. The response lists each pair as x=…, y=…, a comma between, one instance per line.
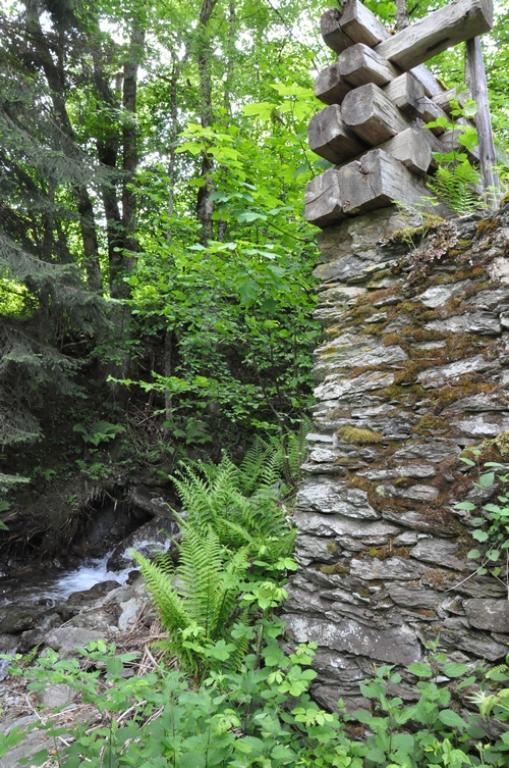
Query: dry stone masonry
x=414, y=368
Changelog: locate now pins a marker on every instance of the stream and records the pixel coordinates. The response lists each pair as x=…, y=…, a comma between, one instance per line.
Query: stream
x=55, y=585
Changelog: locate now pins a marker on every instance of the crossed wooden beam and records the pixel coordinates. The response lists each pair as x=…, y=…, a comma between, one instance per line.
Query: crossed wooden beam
x=380, y=97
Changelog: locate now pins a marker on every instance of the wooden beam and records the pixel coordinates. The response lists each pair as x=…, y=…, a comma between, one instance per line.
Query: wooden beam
x=375, y=181
x=323, y=199
x=428, y=110
x=330, y=86
x=371, y=115
x=479, y=91
x=405, y=91
x=329, y=137
x=331, y=30
x=445, y=98
x=359, y=64
x=412, y=148
x=427, y=79
x=452, y=24
x=363, y=26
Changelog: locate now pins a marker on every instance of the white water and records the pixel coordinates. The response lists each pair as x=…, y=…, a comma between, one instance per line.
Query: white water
x=87, y=575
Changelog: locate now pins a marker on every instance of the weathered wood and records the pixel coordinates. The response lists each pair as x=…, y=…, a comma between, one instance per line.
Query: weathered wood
x=323, y=199
x=377, y=180
x=363, y=26
x=359, y=64
x=448, y=26
x=329, y=137
x=371, y=115
x=445, y=98
x=479, y=91
x=331, y=30
x=412, y=148
x=428, y=111
x=330, y=86
x=427, y=79
x=405, y=91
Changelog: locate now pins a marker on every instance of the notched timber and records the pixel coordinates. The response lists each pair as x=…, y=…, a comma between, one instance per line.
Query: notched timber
x=452, y=24
x=405, y=91
x=323, y=199
x=377, y=180
x=359, y=65
x=331, y=31
x=412, y=148
x=428, y=111
x=330, y=86
x=329, y=137
x=371, y=115
x=363, y=26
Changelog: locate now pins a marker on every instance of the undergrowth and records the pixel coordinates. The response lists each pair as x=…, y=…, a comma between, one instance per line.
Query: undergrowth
x=238, y=697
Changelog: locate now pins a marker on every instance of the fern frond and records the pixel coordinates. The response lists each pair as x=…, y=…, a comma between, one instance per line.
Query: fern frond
x=169, y=605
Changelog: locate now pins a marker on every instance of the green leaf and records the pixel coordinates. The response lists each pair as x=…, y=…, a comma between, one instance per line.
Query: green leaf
x=480, y=535
x=454, y=669
x=451, y=719
x=420, y=669
x=487, y=479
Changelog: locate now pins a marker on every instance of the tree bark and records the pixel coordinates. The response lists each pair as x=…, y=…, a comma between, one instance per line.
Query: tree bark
x=121, y=262
x=205, y=206
x=108, y=146
x=55, y=76
x=402, y=17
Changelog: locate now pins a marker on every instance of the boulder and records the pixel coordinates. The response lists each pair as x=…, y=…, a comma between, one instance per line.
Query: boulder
x=15, y=619
x=57, y=696
x=491, y=615
x=149, y=539
x=67, y=639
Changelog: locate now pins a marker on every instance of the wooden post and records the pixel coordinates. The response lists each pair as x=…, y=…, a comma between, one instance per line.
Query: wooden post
x=479, y=92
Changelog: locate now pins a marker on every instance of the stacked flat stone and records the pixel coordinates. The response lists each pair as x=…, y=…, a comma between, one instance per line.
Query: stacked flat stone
x=414, y=369
x=381, y=97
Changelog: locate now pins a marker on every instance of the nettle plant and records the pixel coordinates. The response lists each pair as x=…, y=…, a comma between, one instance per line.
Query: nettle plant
x=490, y=520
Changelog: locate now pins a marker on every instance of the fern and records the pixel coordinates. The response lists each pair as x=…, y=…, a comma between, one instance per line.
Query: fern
x=200, y=598
x=232, y=521
x=455, y=183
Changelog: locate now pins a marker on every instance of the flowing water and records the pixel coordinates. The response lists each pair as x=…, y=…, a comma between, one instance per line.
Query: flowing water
x=57, y=584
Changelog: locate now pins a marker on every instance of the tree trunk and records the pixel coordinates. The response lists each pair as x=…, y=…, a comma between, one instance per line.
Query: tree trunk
x=402, y=17
x=108, y=145
x=55, y=76
x=130, y=132
x=205, y=206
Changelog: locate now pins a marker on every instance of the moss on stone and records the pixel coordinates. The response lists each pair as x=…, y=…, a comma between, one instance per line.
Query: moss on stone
x=501, y=442
x=430, y=424
x=359, y=435
x=330, y=570
x=385, y=552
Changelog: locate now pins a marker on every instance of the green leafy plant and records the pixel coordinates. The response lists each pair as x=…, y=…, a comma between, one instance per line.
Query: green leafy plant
x=99, y=432
x=490, y=520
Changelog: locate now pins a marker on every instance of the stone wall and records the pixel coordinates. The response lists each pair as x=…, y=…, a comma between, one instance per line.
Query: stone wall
x=413, y=369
